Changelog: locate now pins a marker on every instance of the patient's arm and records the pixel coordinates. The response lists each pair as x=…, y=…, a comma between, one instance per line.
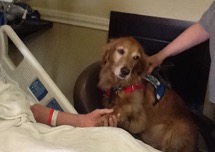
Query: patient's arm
x=95, y=118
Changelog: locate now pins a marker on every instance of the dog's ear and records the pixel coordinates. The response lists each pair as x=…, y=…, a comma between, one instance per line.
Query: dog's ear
x=142, y=64
x=107, y=51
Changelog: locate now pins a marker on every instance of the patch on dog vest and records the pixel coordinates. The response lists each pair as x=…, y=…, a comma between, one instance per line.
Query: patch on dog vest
x=159, y=87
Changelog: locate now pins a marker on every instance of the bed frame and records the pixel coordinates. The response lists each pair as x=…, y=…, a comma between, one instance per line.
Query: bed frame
x=28, y=74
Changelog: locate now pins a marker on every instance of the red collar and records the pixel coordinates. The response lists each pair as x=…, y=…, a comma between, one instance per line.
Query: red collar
x=126, y=90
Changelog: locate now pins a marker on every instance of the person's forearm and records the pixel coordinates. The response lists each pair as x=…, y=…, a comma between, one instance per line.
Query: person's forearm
x=98, y=117
x=69, y=119
x=192, y=36
x=42, y=114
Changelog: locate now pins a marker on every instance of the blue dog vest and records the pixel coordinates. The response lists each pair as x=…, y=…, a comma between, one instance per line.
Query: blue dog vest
x=159, y=87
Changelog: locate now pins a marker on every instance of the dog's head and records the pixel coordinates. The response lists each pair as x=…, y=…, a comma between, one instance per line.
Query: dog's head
x=124, y=57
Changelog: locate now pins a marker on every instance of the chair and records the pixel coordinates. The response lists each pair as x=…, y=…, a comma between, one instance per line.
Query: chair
x=87, y=96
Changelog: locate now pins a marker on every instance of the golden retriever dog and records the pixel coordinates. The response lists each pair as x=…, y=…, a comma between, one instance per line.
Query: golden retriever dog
x=165, y=124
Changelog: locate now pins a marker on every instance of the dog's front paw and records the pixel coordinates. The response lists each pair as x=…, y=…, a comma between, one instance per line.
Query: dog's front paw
x=120, y=115
x=111, y=119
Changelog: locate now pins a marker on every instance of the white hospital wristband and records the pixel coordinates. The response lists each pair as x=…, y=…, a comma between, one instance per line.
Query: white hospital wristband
x=54, y=118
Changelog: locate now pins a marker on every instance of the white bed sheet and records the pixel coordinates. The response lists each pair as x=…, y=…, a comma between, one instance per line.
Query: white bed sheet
x=20, y=132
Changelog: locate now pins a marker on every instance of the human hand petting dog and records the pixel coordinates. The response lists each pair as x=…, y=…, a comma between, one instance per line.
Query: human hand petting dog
x=154, y=61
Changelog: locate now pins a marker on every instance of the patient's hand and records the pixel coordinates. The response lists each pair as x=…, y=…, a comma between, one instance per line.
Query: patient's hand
x=99, y=117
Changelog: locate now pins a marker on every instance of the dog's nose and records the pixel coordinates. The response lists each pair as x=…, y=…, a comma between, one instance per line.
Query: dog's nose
x=124, y=71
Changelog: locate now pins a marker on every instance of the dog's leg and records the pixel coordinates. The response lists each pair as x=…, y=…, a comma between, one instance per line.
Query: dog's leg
x=134, y=126
x=155, y=136
x=169, y=138
x=134, y=122
x=181, y=138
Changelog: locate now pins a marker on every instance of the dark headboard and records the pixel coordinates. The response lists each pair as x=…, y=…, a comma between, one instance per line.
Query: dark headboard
x=190, y=73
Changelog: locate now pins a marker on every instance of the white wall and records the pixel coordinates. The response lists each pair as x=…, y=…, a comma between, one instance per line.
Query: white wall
x=99, y=10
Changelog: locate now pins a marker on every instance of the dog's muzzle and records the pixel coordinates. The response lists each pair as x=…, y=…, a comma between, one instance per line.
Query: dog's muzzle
x=124, y=72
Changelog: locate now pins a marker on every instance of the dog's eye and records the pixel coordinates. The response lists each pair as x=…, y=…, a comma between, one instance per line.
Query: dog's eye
x=121, y=51
x=136, y=57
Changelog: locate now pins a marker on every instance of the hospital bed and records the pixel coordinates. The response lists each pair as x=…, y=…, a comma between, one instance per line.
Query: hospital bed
x=27, y=83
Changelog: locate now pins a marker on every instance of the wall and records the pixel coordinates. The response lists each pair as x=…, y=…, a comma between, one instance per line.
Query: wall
x=98, y=11
x=80, y=31
x=64, y=51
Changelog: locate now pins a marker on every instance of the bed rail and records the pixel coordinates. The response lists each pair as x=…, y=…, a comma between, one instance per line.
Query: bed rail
x=29, y=74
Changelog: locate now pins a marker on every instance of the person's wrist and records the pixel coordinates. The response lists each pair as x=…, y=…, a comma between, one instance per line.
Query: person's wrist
x=80, y=122
x=162, y=55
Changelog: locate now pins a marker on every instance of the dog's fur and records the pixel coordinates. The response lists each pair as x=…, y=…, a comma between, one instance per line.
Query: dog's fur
x=168, y=125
